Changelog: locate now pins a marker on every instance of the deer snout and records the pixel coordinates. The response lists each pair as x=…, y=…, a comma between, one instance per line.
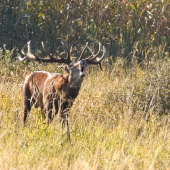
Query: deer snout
x=82, y=74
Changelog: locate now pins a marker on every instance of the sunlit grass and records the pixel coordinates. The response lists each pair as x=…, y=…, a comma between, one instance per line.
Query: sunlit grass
x=111, y=124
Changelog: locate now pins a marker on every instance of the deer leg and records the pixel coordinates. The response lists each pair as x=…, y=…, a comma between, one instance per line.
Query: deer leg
x=68, y=130
x=65, y=120
x=49, y=112
x=27, y=108
x=43, y=113
x=49, y=117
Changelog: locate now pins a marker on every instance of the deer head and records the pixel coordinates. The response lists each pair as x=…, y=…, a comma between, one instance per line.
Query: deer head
x=76, y=70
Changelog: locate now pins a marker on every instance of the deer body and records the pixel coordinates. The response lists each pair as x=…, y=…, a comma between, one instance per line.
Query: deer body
x=54, y=91
x=48, y=90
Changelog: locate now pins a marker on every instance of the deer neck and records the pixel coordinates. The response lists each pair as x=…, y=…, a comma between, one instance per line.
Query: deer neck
x=73, y=85
x=75, y=81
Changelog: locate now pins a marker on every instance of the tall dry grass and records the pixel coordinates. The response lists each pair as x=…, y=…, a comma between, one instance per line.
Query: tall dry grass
x=120, y=120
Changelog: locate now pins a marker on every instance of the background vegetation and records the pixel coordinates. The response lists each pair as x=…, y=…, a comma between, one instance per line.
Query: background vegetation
x=117, y=24
x=120, y=119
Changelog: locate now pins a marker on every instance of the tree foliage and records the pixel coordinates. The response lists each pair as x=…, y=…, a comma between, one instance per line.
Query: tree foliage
x=117, y=24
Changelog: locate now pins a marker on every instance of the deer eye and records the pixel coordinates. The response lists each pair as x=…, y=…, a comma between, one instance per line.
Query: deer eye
x=71, y=64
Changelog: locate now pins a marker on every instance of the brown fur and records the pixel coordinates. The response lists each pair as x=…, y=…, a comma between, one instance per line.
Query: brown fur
x=39, y=85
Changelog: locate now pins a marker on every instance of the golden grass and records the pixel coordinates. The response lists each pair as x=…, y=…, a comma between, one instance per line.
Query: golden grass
x=107, y=124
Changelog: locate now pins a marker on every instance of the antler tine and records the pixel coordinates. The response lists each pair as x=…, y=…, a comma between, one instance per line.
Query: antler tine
x=81, y=56
x=92, y=57
x=90, y=61
x=46, y=49
x=25, y=58
x=32, y=55
x=49, y=53
x=68, y=51
x=51, y=57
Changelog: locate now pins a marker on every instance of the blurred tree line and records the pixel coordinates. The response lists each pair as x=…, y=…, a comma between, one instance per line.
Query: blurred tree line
x=117, y=24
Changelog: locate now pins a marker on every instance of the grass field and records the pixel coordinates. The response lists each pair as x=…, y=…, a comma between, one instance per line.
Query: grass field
x=120, y=120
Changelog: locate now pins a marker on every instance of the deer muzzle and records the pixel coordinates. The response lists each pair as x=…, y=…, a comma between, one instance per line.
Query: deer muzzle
x=82, y=74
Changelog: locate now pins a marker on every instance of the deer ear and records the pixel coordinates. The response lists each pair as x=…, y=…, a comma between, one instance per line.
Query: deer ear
x=65, y=68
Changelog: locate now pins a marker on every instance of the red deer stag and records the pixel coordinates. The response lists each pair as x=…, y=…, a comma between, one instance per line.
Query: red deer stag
x=53, y=90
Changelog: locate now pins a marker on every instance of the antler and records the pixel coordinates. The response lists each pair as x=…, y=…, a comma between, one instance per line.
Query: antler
x=32, y=55
x=68, y=51
x=92, y=57
x=66, y=47
x=81, y=56
x=90, y=60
